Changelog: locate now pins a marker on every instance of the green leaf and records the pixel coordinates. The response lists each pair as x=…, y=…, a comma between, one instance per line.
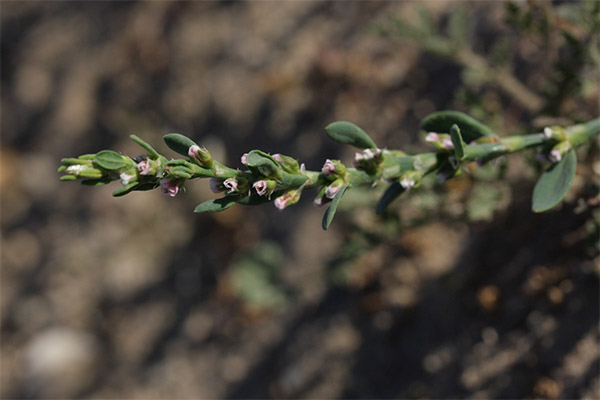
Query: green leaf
x=442, y=121
x=329, y=214
x=217, y=205
x=264, y=163
x=122, y=191
x=554, y=183
x=181, y=172
x=178, y=143
x=348, y=133
x=110, y=160
x=457, y=141
x=153, y=153
x=92, y=173
x=390, y=194
x=68, y=178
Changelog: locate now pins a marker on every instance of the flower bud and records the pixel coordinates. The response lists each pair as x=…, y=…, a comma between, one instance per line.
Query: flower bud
x=368, y=159
x=558, y=151
x=321, y=199
x=554, y=132
x=328, y=167
x=200, y=154
x=244, y=158
x=288, y=198
x=334, y=188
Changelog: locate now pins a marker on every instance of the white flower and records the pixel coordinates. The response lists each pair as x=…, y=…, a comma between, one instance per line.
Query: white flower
x=432, y=137
x=407, y=183
x=126, y=178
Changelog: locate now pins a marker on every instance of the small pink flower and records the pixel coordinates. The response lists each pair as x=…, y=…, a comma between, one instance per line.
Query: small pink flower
x=244, y=158
x=447, y=143
x=231, y=184
x=358, y=157
x=331, y=191
x=432, y=137
x=328, y=167
x=280, y=202
x=555, y=156
x=278, y=157
x=287, y=199
x=194, y=151
x=144, y=167
x=169, y=187
x=215, y=185
x=319, y=201
x=261, y=187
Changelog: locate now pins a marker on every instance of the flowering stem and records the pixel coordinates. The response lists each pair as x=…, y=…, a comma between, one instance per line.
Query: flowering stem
x=282, y=178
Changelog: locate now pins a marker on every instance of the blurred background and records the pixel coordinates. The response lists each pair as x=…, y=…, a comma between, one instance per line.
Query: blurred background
x=459, y=290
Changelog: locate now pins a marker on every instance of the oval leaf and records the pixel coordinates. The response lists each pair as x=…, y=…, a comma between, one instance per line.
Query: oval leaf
x=178, y=143
x=390, y=194
x=217, y=205
x=348, y=133
x=110, y=160
x=329, y=214
x=442, y=121
x=554, y=183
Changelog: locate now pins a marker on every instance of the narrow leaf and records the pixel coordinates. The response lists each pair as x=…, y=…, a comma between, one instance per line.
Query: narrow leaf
x=217, y=205
x=554, y=183
x=348, y=133
x=442, y=121
x=390, y=194
x=178, y=143
x=457, y=141
x=110, y=160
x=330, y=213
x=153, y=153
